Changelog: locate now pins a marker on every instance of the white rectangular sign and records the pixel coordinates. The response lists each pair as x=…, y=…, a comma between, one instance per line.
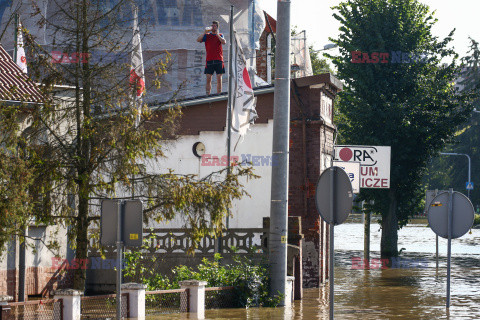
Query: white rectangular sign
x=374, y=164
x=353, y=171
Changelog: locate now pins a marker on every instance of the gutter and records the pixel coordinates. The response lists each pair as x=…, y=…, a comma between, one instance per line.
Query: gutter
x=211, y=99
x=16, y=102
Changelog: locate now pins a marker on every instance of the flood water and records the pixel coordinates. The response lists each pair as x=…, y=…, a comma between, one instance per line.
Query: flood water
x=414, y=290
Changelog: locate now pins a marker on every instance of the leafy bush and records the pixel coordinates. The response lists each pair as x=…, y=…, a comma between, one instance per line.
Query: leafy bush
x=476, y=221
x=250, y=280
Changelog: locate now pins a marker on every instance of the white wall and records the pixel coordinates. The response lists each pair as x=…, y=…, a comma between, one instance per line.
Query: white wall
x=249, y=211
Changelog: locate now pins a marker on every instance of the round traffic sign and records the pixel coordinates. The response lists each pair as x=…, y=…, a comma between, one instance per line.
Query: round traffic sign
x=462, y=214
x=342, y=195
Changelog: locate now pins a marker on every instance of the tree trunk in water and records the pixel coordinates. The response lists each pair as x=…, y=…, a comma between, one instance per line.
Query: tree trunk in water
x=388, y=245
x=82, y=243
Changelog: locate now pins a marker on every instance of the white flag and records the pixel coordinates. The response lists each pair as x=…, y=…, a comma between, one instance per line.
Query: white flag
x=21, y=60
x=137, y=74
x=243, y=109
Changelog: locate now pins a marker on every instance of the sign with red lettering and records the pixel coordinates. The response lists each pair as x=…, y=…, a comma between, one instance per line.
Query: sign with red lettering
x=374, y=164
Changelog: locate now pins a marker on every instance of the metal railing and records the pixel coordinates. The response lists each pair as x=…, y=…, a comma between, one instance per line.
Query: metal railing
x=103, y=307
x=166, y=301
x=47, y=309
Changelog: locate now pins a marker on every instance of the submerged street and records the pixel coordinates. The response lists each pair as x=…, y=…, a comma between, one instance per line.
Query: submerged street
x=401, y=293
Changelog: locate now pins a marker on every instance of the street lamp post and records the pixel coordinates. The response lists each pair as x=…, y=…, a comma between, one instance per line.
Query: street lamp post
x=328, y=46
x=469, y=165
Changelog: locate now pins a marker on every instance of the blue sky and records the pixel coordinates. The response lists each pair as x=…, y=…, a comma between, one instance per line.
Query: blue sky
x=315, y=16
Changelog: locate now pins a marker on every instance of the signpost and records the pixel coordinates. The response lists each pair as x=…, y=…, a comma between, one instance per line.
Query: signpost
x=450, y=215
x=469, y=185
x=374, y=164
x=374, y=173
x=333, y=199
x=429, y=196
x=121, y=223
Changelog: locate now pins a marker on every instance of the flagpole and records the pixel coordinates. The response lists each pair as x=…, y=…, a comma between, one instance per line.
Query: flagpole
x=230, y=102
x=134, y=96
x=15, y=39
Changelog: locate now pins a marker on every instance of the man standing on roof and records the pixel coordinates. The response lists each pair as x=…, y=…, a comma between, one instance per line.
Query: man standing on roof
x=213, y=45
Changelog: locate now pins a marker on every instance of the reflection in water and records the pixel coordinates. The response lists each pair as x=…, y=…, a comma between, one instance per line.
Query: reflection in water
x=403, y=293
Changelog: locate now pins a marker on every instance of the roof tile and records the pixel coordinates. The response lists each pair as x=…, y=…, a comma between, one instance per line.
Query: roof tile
x=14, y=84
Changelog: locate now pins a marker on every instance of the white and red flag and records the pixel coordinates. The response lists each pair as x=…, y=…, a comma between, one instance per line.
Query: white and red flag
x=243, y=111
x=137, y=75
x=21, y=60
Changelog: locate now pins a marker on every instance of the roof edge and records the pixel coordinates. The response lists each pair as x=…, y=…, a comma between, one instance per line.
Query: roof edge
x=209, y=99
x=320, y=78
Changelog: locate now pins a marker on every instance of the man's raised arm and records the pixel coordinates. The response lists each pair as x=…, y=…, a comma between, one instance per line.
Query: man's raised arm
x=200, y=38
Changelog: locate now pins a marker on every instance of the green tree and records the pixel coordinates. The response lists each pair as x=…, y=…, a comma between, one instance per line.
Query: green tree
x=91, y=146
x=470, y=74
x=16, y=176
x=319, y=65
x=411, y=106
x=452, y=171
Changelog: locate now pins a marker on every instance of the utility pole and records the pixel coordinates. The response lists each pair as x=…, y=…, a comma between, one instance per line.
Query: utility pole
x=230, y=101
x=280, y=148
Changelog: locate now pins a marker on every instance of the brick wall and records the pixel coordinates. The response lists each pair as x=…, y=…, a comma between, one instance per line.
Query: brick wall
x=271, y=26
x=309, y=139
x=38, y=281
x=261, y=55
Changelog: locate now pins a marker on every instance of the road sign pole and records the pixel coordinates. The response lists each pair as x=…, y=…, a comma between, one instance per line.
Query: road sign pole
x=449, y=248
x=332, y=238
x=366, y=236
x=469, y=174
x=450, y=216
x=119, y=260
x=436, y=235
x=333, y=198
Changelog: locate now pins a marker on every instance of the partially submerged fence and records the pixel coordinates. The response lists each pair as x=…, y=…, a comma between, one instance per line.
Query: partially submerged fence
x=103, y=307
x=46, y=309
x=137, y=303
x=219, y=297
x=167, y=248
x=166, y=301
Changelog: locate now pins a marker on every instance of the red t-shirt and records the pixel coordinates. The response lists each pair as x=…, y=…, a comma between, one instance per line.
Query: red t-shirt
x=213, y=47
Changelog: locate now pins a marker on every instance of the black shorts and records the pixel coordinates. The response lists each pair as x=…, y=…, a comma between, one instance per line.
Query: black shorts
x=214, y=66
